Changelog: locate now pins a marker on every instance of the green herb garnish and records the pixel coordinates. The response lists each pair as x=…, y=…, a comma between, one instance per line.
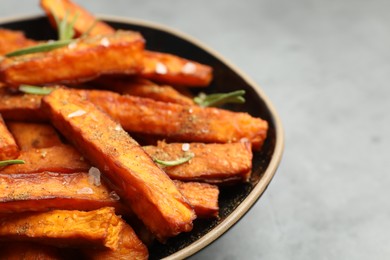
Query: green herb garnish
x=65, y=37
x=175, y=162
x=35, y=90
x=219, y=99
x=44, y=47
x=65, y=29
x=9, y=162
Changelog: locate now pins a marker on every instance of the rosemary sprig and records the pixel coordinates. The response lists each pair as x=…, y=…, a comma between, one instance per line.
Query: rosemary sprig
x=44, y=47
x=65, y=29
x=219, y=99
x=35, y=90
x=65, y=37
x=9, y=162
x=175, y=162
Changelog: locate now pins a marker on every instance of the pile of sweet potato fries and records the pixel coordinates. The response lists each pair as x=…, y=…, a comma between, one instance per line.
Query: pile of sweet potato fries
x=73, y=173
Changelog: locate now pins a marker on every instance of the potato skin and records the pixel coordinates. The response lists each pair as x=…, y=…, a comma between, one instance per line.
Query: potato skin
x=81, y=60
x=212, y=163
x=99, y=228
x=8, y=147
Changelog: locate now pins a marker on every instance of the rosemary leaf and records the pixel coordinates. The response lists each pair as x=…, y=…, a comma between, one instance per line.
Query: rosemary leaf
x=44, y=47
x=175, y=162
x=35, y=90
x=9, y=162
x=219, y=99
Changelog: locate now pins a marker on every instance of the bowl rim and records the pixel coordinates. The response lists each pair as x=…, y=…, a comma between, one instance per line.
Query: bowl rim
x=274, y=163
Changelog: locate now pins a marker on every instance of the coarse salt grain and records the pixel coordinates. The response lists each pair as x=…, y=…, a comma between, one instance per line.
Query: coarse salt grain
x=114, y=196
x=105, y=42
x=189, y=68
x=161, y=68
x=79, y=112
x=185, y=147
x=94, y=176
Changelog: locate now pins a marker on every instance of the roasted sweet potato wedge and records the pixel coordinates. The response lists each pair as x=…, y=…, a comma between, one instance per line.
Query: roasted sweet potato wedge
x=140, y=87
x=213, y=163
x=202, y=196
x=180, y=122
x=8, y=147
x=97, y=228
x=130, y=247
x=171, y=69
x=11, y=40
x=29, y=251
x=48, y=190
x=85, y=20
x=138, y=181
x=61, y=159
x=21, y=107
x=34, y=136
x=81, y=60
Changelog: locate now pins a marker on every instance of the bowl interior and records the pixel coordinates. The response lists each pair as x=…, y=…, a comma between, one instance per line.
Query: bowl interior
x=225, y=79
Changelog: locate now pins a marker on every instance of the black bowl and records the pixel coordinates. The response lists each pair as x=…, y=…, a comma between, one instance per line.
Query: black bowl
x=236, y=200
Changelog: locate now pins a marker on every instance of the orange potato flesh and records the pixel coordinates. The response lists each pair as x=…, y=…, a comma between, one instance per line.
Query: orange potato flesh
x=213, y=163
x=144, y=88
x=8, y=147
x=21, y=107
x=48, y=190
x=180, y=122
x=130, y=247
x=84, y=59
x=202, y=196
x=61, y=159
x=34, y=136
x=138, y=181
x=29, y=251
x=173, y=121
x=11, y=40
x=84, y=19
x=99, y=228
x=170, y=69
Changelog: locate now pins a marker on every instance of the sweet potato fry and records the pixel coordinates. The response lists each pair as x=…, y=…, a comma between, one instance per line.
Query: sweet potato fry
x=29, y=251
x=21, y=107
x=130, y=247
x=143, y=88
x=84, y=59
x=11, y=40
x=138, y=181
x=84, y=21
x=34, y=136
x=213, y=163
x=171, y=69
x=48, y=190
x=179, y=122
x=98, y=228
x=202, y=196
x=61, y=159
x=8, y=147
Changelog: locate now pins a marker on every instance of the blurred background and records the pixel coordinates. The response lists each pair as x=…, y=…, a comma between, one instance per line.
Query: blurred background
x=325, y=65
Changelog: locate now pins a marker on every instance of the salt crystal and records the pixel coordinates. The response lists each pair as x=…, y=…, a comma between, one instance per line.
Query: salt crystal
x=185, y=147
x=189, y=68
x=94, y=176
x=161, y=68
x=79, y=112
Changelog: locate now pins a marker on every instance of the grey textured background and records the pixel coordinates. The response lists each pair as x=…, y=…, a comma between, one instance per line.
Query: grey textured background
x=325, y=65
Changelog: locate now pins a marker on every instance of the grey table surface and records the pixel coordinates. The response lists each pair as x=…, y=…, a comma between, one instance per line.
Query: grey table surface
x=326, y=67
